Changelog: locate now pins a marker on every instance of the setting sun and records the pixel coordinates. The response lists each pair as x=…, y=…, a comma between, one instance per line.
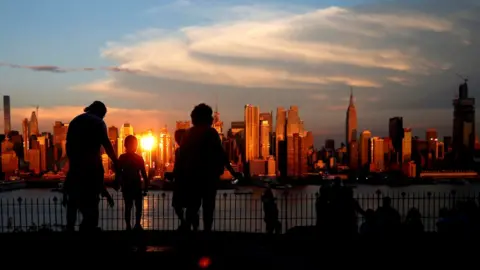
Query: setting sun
x=147, y=142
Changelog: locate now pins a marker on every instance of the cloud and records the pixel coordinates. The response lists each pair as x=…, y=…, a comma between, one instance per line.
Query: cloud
x=140, y=119
x=361, y=47
x=57, y=69
x=400, y=56
x=319, y=96
x=107, y=88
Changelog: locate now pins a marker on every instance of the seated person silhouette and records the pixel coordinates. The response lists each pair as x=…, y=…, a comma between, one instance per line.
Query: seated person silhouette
x=130, y=166
x=180, y=189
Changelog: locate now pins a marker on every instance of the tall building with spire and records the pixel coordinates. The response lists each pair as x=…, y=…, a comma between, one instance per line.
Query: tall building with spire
x=351, y=133
x=33, y=125
x=217, y=123
x=26, y=141
x=351, y=121
x=463, y=143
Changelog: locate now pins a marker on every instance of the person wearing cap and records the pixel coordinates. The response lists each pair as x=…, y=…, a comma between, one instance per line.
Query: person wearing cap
x=202, y=161
x=87, y=133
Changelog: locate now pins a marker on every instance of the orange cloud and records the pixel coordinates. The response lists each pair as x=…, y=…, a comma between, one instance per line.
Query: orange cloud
x=107, y=87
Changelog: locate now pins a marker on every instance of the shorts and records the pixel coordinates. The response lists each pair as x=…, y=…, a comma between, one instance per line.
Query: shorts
x=130, y=197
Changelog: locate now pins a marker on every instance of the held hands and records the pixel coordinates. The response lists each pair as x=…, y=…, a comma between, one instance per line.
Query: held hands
x=238, y=176
x=110, y=201
x=116, y=185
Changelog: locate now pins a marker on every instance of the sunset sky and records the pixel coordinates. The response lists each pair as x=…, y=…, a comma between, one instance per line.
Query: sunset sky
x=152, y=61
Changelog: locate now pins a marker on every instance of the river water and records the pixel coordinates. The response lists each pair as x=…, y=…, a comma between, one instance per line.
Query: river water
x=29, y=208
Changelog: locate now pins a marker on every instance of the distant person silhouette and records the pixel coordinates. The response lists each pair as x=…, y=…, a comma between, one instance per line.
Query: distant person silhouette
x=202, y=160
x=388, y=219
x=368, y=226
x=180, y=189
x=413, y=223
x=270, y=210
x=130, y=167
x=324, y=209
x=87, y=133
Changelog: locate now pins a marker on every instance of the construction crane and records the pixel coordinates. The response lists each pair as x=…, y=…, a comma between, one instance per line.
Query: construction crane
x=36, y=109
x=465, y=79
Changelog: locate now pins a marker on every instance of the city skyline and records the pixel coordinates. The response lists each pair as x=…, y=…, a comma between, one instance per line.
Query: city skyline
x=388, y=52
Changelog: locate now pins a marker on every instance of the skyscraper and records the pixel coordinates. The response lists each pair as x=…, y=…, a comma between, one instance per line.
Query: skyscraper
x=280, y=142
x=26, y=139
x=431, y=136
x=377, y=154
x=165, y=153
x=295, y=150
x=265, y=139
x=42, y=141
x=6, y=115
x=395, y=132
x=463, y=143
x=59, y=135
x=293, y=121
x=217, y=123
x=353, y=155
x=407, y=145
x=252, y=132
x=182, y=125
x=113, y=136
x=127, y=129
x=269, y=118
x=364, y=148
x=33, y=125
x=351, y=121
x=237, y=126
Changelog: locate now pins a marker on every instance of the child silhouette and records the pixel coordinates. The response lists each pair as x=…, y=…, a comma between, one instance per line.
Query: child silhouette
x=131, y=166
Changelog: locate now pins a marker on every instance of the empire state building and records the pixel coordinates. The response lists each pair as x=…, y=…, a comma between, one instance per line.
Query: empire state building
x=351, y=121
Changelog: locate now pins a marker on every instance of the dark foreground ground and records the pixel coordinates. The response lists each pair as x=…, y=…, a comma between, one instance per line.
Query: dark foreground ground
x=171, y=250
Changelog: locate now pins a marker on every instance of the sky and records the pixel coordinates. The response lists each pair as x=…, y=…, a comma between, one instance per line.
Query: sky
x=152, y=61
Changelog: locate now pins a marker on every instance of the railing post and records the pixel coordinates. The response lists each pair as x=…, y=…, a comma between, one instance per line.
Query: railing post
x=163, y=211
x=19, y=200
x=55, y=203
x=285, y=205
x=453, y=197
x=429, y=207
x=314, y=203
x=223, y=209
x=378, y=193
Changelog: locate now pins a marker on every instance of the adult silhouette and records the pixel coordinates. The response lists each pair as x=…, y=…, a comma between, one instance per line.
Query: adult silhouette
x=84, y=182
x=202, y=160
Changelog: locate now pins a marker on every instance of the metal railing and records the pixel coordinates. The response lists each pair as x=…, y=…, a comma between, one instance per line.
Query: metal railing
x=240, y=213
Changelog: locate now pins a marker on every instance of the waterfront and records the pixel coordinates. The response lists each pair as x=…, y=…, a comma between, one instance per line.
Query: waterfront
x=28, y=208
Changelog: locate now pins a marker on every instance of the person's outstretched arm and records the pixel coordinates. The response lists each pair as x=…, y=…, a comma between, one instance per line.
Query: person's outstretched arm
x=146, y=180
x=217, y=143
